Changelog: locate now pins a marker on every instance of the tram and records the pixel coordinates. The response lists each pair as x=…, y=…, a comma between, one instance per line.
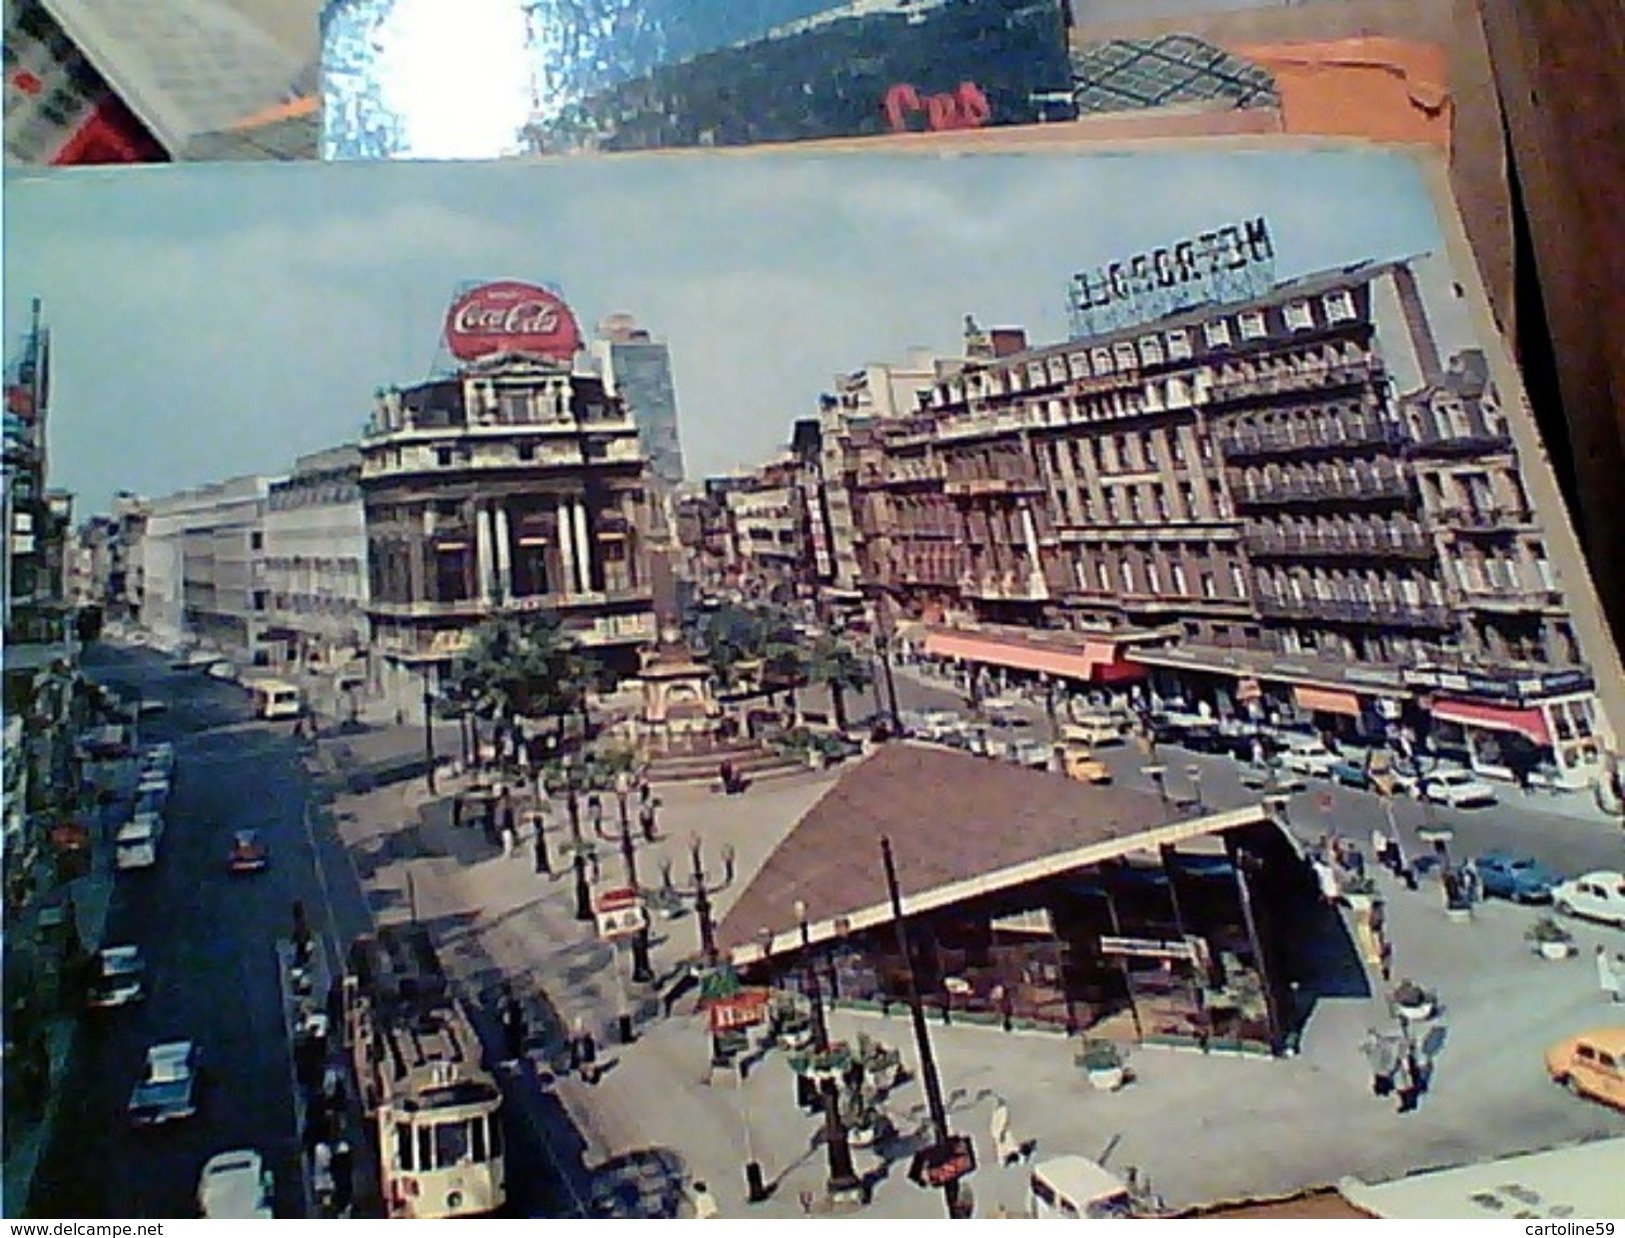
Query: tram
x=418, y=1068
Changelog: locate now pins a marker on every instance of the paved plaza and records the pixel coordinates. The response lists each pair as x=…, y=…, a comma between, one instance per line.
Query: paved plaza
x=1200, y=1129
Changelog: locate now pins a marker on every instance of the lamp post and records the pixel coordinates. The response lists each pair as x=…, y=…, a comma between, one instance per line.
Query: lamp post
x=700, y=890
x=883, y=649
x=1156, y=774
x=1194, y=773
x=642, y=972
x=428, y=729
x=843, y=1179
x=577, y=843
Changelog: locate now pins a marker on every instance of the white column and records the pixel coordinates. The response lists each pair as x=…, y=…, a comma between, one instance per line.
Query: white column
x=583, y=550
x=567, y=557
x=504, y=555
x=482, y=551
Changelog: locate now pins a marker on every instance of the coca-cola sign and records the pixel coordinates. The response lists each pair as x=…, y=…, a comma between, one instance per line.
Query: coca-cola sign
x=508, y=316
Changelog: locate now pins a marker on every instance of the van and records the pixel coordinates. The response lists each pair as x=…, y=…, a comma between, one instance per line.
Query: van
x=1092, y=731
x=275, y=699
x=136, y=845
x=1075, y=1188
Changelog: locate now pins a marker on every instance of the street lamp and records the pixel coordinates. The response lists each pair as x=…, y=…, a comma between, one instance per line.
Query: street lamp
x=883, y=648
x=428, y=728
x=578, y=844
x=700, y=890
x=843, y=1179
x=1194, y=773
x=642, y=972
x=1156, y=773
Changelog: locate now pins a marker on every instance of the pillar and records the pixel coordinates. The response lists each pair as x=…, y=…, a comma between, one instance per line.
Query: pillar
x=504, y=550
x=583, y=549
x=482, y=552
x=566, y=538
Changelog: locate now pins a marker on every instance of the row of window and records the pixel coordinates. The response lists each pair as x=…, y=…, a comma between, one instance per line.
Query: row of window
x=1179, y=344
x=446, y=1144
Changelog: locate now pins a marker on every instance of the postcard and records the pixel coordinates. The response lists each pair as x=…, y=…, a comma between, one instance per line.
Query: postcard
x=566, y=660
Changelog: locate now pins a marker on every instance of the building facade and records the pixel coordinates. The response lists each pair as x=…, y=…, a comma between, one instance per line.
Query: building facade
x=201, y=578
x=314, y=567
x=636, y=369
x=514, y=484
x=1292, y=507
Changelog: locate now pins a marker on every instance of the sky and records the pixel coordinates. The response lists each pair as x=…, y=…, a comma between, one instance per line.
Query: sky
x=214, y=320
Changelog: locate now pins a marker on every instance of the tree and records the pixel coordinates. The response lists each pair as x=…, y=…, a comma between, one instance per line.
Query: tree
x=521, y=667
x=833, y=663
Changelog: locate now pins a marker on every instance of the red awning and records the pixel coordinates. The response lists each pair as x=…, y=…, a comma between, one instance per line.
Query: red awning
x=1530, y=722
x=1326, y=700
x=1095, y=661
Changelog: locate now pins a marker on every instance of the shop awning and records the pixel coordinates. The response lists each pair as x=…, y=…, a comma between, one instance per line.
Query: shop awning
x=1530, y=722
x=1326, y=701
x=1095, y=661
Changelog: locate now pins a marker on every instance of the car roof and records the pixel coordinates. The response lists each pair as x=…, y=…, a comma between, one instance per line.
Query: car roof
x=1608, y=1039
x=169, y=1050
x=1605, y=876
x=246, y=835
x=120, y=954
x=235, y=1161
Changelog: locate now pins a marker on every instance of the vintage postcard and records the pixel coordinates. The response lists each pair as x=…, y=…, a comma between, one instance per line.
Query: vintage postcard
x=531, y=673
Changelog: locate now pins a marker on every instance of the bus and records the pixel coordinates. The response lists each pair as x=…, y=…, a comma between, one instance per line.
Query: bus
x=275, y=699
x=136, y=845
x=435, y=1108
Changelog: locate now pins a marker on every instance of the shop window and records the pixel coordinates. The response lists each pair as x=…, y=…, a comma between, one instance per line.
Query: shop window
x=1560, y=718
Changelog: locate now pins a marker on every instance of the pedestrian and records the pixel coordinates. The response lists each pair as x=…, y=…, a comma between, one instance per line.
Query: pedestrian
x=1326, y=878
x=513, y=1028
x=589, y=1058
x=342, y=1169
x=1379, y=846
x=1472, y=881
x=577, y=1030
x=1607, y=980
x=1005, y=1144
x=539, y=847
x=509, y=839
x=646, y=820
x=1407, y=1079
x=705, y=1204
x=1381, y=1054
x=456, y=812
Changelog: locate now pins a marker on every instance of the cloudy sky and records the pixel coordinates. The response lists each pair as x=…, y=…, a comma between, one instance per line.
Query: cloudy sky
x=215, y=320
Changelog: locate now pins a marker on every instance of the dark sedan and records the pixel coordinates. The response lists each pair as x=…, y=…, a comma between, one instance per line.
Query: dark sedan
x=1517, y=877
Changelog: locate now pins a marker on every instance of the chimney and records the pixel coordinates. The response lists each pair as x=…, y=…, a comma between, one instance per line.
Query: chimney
x=1416, y=324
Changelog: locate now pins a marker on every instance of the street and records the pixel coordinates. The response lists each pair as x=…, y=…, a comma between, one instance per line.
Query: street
x=208, y=940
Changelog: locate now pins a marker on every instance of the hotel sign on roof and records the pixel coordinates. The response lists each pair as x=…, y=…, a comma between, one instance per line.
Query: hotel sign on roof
x=1226, y=265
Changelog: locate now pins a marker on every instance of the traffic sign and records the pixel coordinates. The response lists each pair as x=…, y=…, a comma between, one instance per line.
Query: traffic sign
x=943, y=1163
x=744, y=1010
x=620, y=913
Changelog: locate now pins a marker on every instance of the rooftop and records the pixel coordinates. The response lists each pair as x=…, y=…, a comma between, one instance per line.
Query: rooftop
x=959, y=825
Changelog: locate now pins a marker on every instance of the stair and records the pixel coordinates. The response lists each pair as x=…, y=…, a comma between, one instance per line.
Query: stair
x=753, y=761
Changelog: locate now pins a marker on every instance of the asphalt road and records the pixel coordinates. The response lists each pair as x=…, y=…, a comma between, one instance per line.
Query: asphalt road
x=208, y=940
x=1566, y=844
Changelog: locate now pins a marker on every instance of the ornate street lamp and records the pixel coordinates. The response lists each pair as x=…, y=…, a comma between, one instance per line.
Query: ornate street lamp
x=578, y=844
x=428, y=729
x=700, y=890
x=843, y=1179
x=642, y=972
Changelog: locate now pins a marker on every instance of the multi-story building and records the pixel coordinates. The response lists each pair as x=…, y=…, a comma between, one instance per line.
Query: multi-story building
x=314, y=567
x=1286, y=506
x=515, y=483
x=767, y=520
x=126, y=556
x=637, y=369
x=201, y=567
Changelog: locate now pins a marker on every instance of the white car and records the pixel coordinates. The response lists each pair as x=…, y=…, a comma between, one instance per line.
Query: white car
x=1597, y=895
x=167, y=1089
x=1458, y=788
x=1310, y=757
x=1029, y=752
x=235, y=1186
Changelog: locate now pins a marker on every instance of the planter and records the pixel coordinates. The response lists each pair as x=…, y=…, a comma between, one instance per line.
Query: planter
x=1556, y=950
x=1107, y=1080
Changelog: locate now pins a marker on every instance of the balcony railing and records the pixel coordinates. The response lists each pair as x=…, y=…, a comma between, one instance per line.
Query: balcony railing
x=1477, y=439
x=1387, y=612
x=1484, y=519
x=1512, y=599
x=1321, y=488
x=1008, y=587
x=425, y=608
x=1320, y=438
x=973, y=486
x=1382, y=541
x=1235, y=390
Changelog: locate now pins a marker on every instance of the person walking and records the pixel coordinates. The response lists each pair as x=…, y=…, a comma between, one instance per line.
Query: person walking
x=513, y=1026
x=1407, y=1078
x=1005, y=1144
x=538, y=845
x=509, y=839
x=705, y=1204
x=589, y=1058
x=1382, y=1055
x=1607, y=979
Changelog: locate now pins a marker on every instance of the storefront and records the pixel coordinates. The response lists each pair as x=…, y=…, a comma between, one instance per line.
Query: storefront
x=999, y=659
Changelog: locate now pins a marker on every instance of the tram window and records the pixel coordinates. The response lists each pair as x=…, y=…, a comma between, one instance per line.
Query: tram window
x=403, y=1145
x=451, y=1144
x=477, y=1127
x=426, y=1148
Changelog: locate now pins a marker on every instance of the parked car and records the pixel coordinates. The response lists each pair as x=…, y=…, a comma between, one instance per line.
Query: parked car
x=167, y=1089
x=1028, y=752
x=1520, y=878
x=1591, y=1064
x=236, y=1186
x=1093, y=731
x=1598, y=895
x=1351, y=772
x=1308, y=756
x=248, y=854
x=1458, y=788
x=119, y=978
x=1083, y=766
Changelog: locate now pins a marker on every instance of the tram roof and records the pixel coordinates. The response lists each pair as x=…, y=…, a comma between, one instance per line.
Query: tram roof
x=960, y=826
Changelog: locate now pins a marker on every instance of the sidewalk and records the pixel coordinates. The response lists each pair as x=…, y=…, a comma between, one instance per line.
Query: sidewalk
x=91, y=897
x=1202, y=1128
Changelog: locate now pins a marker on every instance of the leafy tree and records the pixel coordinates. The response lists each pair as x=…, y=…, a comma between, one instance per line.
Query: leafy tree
x=521, y=667
x=834, y=663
